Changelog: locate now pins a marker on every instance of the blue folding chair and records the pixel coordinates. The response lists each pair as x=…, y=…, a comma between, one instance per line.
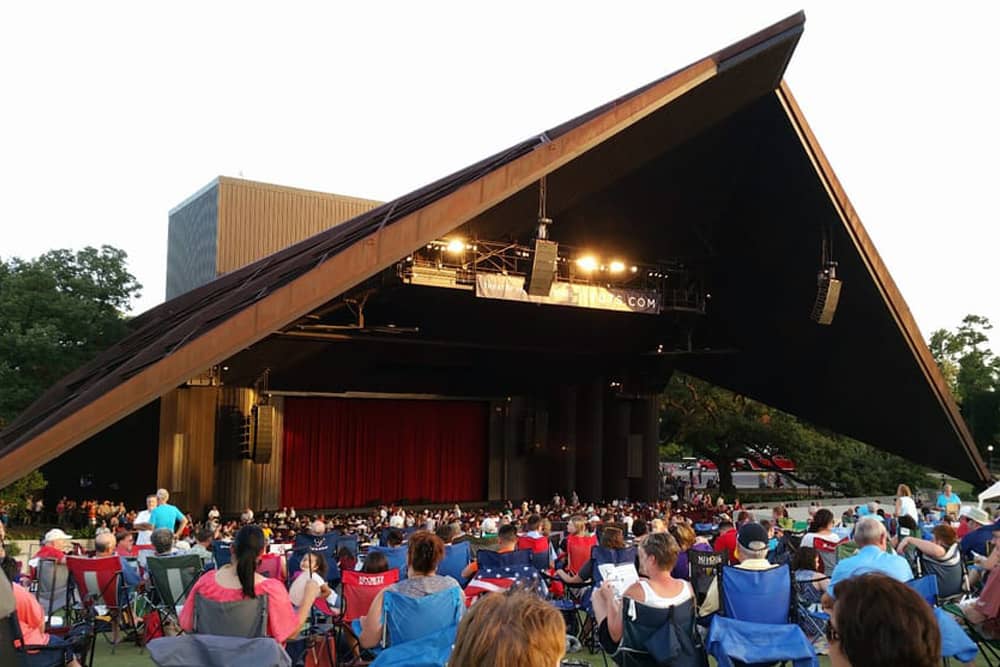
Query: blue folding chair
x=431, y=650
x=456, y=558
x=396, y=557
x=221, y=552
x=323, y=545
x=754, y=624
x=348, y=541
x=607, y=556
x=407, y=618
x=758, y=596
x=493, y=559
x=955, y=643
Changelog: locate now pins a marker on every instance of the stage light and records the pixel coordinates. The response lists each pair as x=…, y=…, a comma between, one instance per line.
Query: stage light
x=456, y=246
x=635, y=269
x=616, y=267
x=587, y=263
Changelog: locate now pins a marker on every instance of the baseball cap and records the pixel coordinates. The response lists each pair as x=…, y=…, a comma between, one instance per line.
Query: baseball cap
x=56, y=534
x=752, y=536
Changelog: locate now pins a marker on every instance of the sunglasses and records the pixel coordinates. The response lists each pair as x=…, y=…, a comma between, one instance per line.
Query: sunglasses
x=831, y=633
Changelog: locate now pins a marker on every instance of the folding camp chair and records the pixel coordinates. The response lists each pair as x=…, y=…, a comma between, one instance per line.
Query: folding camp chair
x=846, y=549
x=495, y=559
x=221, y=553
x=456, y=558
x=13, y=652
x=52, y=592
x=955, y=643
x=270, y=566
x=172, y=578
x=242, y=618
x=827, y=551
x=754, y=624
x=350, y=542
x=988, y=648
x=408, y=618
x=654, y=636
x=704, y=567
x=397, y=557
x=538, y=547
x=578, y=551
x=360, y=588
x=952, y=577
x=98, y=582
x=808, y=611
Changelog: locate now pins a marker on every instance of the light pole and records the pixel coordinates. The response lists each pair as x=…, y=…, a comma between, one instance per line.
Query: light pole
x=989, y=448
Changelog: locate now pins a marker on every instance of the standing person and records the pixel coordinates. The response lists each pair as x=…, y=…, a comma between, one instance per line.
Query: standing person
x=213, y=514
x=905, y=505
x=143, y=524
x=167, y=516
x=947, y=497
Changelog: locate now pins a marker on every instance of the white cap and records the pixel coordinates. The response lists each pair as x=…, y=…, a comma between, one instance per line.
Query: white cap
x=489, y=525
x=56, y=534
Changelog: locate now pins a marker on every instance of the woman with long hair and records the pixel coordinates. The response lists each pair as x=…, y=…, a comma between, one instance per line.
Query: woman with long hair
x=905, y=505
x=821, y=526
x=238, y=580
x=423, y=556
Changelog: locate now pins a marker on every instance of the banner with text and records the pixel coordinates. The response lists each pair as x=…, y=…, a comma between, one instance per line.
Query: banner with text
x=511, y=288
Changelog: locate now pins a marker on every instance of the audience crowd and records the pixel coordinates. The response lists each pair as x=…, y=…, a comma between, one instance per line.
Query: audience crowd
x=848, y=570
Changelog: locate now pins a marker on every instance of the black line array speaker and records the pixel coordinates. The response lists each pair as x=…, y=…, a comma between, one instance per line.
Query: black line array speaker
x=827, y=296
x=263, y=433
x=232, y=434
x=543, y=268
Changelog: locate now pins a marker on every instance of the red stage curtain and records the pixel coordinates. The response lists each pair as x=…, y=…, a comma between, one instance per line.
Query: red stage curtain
x=349, y=452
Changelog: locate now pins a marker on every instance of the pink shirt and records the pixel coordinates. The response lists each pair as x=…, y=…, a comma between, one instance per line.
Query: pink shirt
x=282, y=620
x=30, y=617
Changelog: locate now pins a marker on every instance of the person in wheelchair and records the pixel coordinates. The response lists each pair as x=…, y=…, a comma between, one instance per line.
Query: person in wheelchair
x=657, y=557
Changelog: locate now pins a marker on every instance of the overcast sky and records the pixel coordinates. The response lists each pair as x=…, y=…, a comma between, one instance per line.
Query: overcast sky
x=113, y=113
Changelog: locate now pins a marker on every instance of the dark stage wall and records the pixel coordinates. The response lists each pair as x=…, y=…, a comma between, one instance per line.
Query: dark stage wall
x=353, y=452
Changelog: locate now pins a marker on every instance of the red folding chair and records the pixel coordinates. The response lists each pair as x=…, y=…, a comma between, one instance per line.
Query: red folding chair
x=539, y=548
x=360, y=588
x=827, y=551
x=98, y=582
x=270, y=566
x=578, y=551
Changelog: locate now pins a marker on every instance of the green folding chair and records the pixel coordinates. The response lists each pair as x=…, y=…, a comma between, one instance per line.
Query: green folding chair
x=172, y=578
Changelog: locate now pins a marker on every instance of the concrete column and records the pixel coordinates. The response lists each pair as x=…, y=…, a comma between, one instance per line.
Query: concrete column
x=645, y=421
x=617, y=426
x=590, y=441
x=562, y=441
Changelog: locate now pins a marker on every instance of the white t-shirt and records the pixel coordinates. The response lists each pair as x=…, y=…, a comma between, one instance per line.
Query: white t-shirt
x=907, y=506
x=297, y=590
x=144, y=536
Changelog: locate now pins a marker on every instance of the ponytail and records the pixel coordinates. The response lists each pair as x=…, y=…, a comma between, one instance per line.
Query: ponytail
x=247, y=548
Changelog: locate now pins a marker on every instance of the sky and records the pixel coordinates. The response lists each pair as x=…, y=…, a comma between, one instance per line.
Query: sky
x=114, y=113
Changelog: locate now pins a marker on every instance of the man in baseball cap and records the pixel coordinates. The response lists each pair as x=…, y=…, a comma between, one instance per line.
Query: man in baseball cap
x=751, y=552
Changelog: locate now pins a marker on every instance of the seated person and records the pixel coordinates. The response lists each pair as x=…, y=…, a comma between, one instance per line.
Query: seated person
x=56, y=544
x=425, y=553
x=943, y=548
x=530, y=631
x=751, y=553
x=104, y=545
x=980, y=533
x=871, y=537
x=203, y=544
x=507, y=542
x=611, y=538
x=686, y=540
x=345, y=559
x=126, y=544
x=163, y=546
x=238, y=580
x=30, y=615
x=821, y=526
x=375, y=562
x=312, y=568
x=878, y=620
x=806, y=565
x=657, y=557
x=726, y=541
x=533, y=530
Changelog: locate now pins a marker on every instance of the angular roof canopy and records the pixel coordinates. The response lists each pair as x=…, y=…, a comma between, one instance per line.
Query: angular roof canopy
x=714, y=159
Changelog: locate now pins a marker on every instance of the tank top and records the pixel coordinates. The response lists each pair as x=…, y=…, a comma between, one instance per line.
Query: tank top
x=654, y=599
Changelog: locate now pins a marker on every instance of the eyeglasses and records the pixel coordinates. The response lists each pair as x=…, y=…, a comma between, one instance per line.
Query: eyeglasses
x=831, y=633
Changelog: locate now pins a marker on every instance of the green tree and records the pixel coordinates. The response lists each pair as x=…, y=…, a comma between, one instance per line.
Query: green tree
x=14, y=496
x=58, y=311
x=723, y=427
x=972, y=371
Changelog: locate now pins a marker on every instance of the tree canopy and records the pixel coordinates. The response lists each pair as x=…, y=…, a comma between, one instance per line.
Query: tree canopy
x=723, y=426
x=58, y=311
x=973, y=375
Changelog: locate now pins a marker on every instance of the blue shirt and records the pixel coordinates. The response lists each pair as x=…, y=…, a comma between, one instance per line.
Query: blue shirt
x=871, y=559
x=943, y=500
x=165, y=516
